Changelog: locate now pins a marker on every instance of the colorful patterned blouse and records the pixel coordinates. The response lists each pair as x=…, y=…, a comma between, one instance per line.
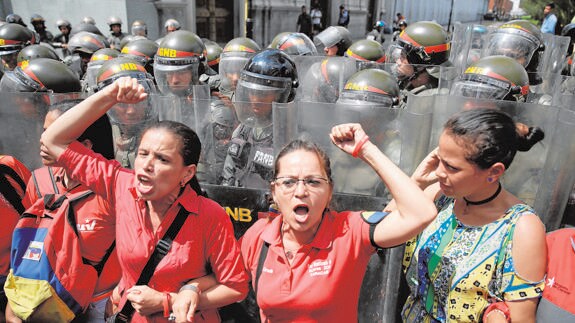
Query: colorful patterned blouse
x=453, y=270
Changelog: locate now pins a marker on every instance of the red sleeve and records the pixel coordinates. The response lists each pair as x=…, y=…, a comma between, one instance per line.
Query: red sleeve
x=223, y=249
x=22, y=171
x=91, y=169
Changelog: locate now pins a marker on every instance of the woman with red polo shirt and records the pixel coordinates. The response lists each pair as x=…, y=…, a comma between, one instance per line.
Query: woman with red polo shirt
x=146, y=200
x=316, y=258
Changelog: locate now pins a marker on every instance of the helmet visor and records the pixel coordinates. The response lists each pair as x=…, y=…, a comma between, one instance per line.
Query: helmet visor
x=327, y=38
x=364, y=96
x=12, y=83
x=132, y=114
x=176, y=79
x=253, y=100
x=143, y=78
x=298, y=46
x=229, y=70
x=91, y=75
x=477, y=90
x=519, y=46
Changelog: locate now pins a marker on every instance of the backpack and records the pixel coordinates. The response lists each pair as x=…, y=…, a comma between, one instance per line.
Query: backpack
x=49, y=280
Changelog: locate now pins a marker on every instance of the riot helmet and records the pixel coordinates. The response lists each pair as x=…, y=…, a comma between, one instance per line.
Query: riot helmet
x=88, y=20
x=88, y=28
x=13, y=38
x=370, y=87
x=179, y=62
x=127, y=114
x=63, y=23
x=142, y=50
x=424, y=42
x=294, y=44
x=130, y=38
x=15, y=19
x=36, y=19
x=35, y=51
x=172, y=25
x=41, y=75
x=113, y=20
x=333, y=36
x=269, y=76
x=325, y=78
x=366, y=51
x=86, y=43
x=214, y=50
x=493, y=77
x=139, y=28
x=518, y=39
x=96, y=61
x=234, y=56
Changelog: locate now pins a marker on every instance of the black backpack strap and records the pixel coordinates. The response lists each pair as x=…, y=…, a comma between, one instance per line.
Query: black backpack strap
x=8, y=190
x=162, y=248
x=55, y=189
x=261, y=260
x=100, y=266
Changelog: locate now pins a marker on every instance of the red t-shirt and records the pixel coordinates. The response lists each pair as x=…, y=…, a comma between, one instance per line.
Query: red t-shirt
x=323, y=282
x=96, y=223
x=206, y=238
x=560, y=280
x=9, y=215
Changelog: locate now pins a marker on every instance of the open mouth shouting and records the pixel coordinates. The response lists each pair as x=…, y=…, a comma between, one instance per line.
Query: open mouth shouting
x=144, y=184
x=301, y=212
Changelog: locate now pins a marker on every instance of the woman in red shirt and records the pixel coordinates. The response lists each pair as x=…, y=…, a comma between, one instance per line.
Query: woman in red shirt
x=146, y=200
x=317, y=258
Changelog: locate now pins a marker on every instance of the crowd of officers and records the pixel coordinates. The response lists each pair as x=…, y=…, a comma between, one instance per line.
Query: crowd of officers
x=499, y=62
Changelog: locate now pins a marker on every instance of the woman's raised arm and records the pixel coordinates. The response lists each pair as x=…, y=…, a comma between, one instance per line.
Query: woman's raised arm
x=414, y=209
x=73, y=122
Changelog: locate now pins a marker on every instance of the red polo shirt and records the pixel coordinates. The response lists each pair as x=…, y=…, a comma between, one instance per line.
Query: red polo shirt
x=9, y=215
x=96, y=223
x=205, y=239
x=323, y=282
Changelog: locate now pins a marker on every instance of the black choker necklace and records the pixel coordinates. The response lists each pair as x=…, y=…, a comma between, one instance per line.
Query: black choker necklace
x=487, y=200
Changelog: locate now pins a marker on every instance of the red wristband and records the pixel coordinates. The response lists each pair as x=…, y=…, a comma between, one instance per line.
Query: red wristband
x=360, y=144
x=500, y=307
x=166, y=304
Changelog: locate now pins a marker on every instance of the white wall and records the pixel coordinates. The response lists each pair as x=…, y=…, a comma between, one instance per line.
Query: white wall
x=73, y=11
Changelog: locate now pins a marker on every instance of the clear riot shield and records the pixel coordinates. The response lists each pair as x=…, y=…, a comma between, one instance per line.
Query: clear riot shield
x=558, y=173
x=21, y=125
x=216, y=123
x=321, y=78
x=181, y=109
x=128, y=121
x=566, y=95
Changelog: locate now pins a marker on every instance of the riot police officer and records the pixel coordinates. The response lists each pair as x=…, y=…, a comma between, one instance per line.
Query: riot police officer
x=420, y=47
x=520, y=40
x=493, y=77
x=372, y=87
x=334, y=40
x=82, y=45
x=89, y=82
x=41, y=75
x=368, y=53
x=294, y=44
x=269, y=76
x=142, y=50
x=211, y=74
x=61, y=40
x=216, y=138
x=40, y=27
x=13, y=37
x=116, y=33
x=128, y=120
x=324, y=79
x=179, y=62
x=233, y=58
x=35, y=51
x=139, y=28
